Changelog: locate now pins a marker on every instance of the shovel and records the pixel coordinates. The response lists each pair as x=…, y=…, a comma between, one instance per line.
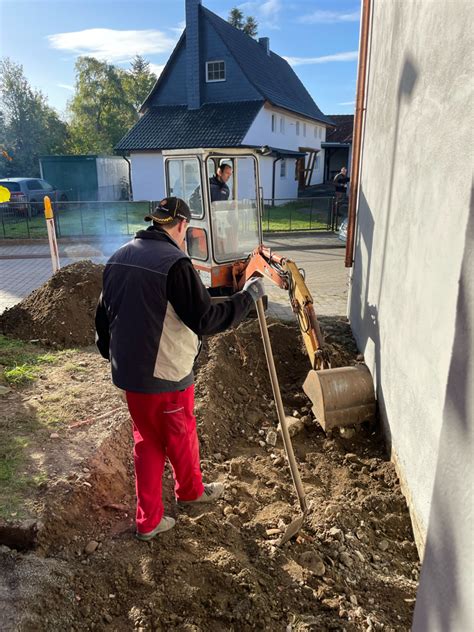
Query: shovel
x=294, y=526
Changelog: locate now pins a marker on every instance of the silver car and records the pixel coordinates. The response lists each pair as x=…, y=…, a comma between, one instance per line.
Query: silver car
x=32, y=191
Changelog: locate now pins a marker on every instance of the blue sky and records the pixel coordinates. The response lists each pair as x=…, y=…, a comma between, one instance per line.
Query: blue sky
x=318, y=37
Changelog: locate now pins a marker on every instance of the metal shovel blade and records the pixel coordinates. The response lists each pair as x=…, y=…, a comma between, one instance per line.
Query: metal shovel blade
x=291, y=530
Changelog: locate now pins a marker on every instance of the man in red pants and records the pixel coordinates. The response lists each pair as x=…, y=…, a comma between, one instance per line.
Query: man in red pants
x=151, y=314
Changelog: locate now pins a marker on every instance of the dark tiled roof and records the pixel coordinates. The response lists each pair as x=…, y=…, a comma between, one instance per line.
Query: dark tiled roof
x=344, y=125
x=176, y=127
x=271, y=75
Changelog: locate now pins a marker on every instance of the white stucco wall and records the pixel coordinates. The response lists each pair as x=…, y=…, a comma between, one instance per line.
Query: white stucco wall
x=285, y=187
x=311, y=135
x=148, y=179
x=414, y=204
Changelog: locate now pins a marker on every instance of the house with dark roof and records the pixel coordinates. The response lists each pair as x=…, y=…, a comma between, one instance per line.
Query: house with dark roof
x=223, y=89
x=338, y=146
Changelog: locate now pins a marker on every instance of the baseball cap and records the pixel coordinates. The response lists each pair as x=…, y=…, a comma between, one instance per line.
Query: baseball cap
x=169, y=209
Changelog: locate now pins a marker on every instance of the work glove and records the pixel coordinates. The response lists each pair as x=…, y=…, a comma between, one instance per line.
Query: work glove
x=255, y=288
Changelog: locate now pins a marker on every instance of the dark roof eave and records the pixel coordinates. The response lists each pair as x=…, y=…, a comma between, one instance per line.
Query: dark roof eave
x=330, y=145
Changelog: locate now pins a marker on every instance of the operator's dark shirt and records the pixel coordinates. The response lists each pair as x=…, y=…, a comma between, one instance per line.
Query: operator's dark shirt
x=341, y=181
x=219, y=190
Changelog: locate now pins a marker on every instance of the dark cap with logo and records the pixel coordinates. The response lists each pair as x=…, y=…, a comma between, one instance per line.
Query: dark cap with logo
x=169, y=209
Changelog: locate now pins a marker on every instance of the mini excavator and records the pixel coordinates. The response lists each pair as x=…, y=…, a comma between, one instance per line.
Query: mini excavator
x=224, y=241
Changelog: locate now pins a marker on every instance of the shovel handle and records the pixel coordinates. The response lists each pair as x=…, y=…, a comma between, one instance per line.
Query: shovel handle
x=279, y=405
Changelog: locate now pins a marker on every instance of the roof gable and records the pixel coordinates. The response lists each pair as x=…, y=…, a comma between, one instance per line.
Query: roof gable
x=252, y=72
x=270, y=74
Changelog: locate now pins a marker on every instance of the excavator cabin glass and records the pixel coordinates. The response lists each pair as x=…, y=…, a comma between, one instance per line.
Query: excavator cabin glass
x=235, y=221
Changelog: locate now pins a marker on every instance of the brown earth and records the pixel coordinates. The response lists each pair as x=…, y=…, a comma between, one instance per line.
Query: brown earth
x=353, y=567
x=61, y=312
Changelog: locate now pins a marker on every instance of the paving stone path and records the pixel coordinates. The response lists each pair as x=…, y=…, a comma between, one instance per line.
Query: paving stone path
x=25, y=266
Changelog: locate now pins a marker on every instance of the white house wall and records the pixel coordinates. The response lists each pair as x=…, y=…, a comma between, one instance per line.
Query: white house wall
x=413, y=211
x=148, y=182
x=285, y=187
x=311, y=135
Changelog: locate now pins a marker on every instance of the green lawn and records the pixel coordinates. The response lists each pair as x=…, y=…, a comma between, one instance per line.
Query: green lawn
x=125, y=218
x=303, y=214
x=78, y=219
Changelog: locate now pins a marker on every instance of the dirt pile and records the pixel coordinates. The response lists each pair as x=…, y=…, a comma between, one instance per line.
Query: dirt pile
x=61, y=312
x=353, y=567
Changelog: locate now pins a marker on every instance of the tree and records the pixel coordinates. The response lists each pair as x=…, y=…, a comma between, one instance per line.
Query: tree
x=106, y=101
x=140, y=81
x=236, y=18
x=250, y=27
x=29, y=127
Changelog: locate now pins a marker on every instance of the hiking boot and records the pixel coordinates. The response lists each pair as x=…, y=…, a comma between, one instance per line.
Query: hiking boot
x=165, y=524
x=212, y=491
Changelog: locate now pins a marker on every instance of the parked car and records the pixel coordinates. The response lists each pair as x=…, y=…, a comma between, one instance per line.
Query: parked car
x=32, y=191
x=342, y=233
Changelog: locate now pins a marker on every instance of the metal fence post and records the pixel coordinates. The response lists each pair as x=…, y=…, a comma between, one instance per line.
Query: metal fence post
x=126, y=217
x=57, y=223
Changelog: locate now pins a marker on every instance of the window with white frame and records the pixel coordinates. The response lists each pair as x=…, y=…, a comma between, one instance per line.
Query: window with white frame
x=320, y=131
x=282, y=124
x=273, y=123
x=315, y=131
x=297, y=128
x=283, y=168
x=215, y=71
x=304, y=129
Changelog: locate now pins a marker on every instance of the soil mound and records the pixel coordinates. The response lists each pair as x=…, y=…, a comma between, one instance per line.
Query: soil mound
x=60, y=313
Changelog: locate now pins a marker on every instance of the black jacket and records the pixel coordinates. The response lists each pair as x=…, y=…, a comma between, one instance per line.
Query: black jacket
x=219, y=190
x=152, y=312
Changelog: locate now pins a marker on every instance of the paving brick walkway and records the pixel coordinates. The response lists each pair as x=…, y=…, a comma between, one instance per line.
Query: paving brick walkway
x=26, y=266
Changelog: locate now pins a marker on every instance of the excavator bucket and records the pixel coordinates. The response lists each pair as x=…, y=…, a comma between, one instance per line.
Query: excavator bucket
x=341, y=397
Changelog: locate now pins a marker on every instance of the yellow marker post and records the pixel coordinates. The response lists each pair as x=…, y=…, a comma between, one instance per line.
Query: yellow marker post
x=53, y=244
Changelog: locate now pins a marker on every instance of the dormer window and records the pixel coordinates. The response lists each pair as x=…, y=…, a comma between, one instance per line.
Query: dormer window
x=215, y=71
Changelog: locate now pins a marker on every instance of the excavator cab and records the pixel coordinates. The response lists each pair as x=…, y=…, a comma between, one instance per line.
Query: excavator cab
x=221, y=232
x=224, y=241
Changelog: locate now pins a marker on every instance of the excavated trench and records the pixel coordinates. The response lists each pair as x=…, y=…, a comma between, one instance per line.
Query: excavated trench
x=353, y=567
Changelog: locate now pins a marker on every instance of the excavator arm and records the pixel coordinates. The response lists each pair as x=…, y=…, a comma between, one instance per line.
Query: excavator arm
x=286, y=274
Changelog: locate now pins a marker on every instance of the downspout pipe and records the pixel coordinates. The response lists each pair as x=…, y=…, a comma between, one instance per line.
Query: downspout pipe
x=129, y=175
x=273, y=179
x=358, y=124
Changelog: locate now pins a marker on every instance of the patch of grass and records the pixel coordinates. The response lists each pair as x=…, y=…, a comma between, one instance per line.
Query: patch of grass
x=22, y=362
x=21, y=374
x=71, y=367
x=47, y=358
x=301, y=214
x=12, y=484
x=14, y=352
x=82, y=218
x=47, y=419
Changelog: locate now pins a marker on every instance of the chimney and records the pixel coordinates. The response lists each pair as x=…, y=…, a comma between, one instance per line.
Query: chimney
x=265, y=42
x=193, y=65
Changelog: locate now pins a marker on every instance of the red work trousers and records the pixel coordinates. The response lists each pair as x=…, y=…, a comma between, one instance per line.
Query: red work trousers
x=163, y=426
